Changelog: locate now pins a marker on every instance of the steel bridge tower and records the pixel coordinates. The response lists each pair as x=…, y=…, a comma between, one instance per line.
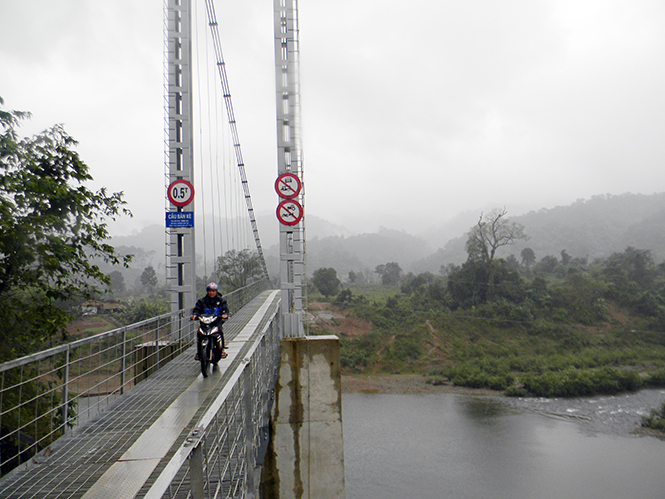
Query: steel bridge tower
x=180, y=248
x=290, y=183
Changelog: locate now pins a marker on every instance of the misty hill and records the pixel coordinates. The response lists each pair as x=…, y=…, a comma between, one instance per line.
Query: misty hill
x=316, y=227
x=441, y=232
x=363, y=252
x=149, y=245
x=592, y=228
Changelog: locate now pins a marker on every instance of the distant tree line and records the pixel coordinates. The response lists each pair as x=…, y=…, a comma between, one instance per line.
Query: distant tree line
x=551, y=326
x=563, y=288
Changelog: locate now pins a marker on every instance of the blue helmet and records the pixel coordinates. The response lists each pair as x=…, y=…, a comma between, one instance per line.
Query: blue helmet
x=212, y=286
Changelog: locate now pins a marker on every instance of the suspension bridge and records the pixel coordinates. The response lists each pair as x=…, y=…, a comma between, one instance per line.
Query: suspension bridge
x=126, y=413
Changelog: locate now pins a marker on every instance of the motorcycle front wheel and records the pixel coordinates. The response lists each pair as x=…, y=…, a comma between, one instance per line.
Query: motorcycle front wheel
x=204, y=351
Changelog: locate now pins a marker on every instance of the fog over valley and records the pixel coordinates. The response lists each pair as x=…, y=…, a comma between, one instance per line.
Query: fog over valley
x=411, y=114
x=592, y=228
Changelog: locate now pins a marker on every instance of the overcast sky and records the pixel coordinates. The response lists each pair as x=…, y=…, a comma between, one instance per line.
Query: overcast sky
x=412, y=111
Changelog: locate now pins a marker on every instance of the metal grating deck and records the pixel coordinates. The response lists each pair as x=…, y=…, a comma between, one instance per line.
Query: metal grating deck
x=72, y=466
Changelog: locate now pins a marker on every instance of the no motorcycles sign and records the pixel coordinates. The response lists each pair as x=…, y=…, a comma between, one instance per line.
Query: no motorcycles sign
x=289, y=212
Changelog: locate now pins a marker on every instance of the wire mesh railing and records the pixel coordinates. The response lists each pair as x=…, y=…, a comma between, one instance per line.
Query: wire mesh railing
x=44, y=395
x=220, y=456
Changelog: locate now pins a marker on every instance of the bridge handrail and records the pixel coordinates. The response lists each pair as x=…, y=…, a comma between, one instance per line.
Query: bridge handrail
x=21, y=361
x=45, y=394
x=244, y=405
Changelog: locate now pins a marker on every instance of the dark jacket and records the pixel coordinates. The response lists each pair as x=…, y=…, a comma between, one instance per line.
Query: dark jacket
x=207, y=305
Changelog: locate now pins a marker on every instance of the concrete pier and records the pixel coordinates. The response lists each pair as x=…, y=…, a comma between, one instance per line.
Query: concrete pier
x=306, y=454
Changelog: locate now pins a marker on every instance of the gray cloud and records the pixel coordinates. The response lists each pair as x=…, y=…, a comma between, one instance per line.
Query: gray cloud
x=412, y=111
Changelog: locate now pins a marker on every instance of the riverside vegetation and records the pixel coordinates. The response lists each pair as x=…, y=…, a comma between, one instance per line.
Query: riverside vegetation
x=554, y=327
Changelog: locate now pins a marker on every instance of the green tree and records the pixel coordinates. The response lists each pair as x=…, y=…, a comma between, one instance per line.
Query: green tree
x=326, y=281
x=414, y=284
x=52, y=230
x=149, y=278
x=528, y=257
x=581, y=298
x=472, y=285
x=637, y=265
x=390, y=273
x=565, y=257
x=492, y=231
x=546, y=265
x=634, y=280
x=117, y=282
x=238, y=268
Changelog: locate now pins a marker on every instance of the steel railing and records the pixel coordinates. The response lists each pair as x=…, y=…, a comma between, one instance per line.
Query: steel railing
x=220, y=456
x=45, y=394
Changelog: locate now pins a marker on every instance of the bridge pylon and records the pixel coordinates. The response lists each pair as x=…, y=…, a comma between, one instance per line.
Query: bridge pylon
x=289, y=161
x=180, y=246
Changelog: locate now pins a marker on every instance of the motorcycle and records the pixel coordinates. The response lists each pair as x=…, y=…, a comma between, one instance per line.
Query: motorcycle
x=209, y=343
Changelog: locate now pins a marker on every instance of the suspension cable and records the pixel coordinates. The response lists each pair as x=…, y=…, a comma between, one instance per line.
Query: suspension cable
x=221, y=67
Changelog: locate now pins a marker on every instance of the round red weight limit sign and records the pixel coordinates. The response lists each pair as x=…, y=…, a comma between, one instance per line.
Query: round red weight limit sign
x=180, y=192
x=288, y=185
x=289, y=212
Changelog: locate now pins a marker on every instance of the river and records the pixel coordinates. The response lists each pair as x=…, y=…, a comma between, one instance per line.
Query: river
x=449, y=446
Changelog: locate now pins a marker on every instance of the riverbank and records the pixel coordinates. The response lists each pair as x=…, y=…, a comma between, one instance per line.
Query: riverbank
x=402, y=383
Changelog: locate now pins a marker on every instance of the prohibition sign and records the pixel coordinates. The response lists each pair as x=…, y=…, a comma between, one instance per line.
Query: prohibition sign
x=289, y=212
x=180, y=192
x=288, y=185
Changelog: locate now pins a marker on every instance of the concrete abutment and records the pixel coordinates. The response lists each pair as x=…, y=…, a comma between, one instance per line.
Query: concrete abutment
x=305, y=457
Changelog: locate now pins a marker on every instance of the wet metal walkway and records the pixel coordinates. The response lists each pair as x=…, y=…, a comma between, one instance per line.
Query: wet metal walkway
x=122, y=452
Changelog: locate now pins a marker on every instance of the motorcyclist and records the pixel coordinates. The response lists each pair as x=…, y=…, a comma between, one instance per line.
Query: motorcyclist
x=213, y=303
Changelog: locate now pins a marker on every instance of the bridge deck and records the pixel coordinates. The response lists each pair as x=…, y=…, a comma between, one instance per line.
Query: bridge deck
x=120, y=453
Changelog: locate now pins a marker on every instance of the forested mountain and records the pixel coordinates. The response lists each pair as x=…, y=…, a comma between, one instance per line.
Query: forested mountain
x=592, y=228
x=370, y=249
x=362, y=253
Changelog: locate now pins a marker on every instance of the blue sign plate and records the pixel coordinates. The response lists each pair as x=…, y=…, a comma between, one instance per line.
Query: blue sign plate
x=179, y=219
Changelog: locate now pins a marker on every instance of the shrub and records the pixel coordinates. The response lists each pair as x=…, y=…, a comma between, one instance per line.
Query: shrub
x=656, y=378
x=573, y=382
x=481, y=374
x=500, y=382
x=516, y=391
x=503, y=309
x=436, y=380
x=354, y=354
x=656, y=420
